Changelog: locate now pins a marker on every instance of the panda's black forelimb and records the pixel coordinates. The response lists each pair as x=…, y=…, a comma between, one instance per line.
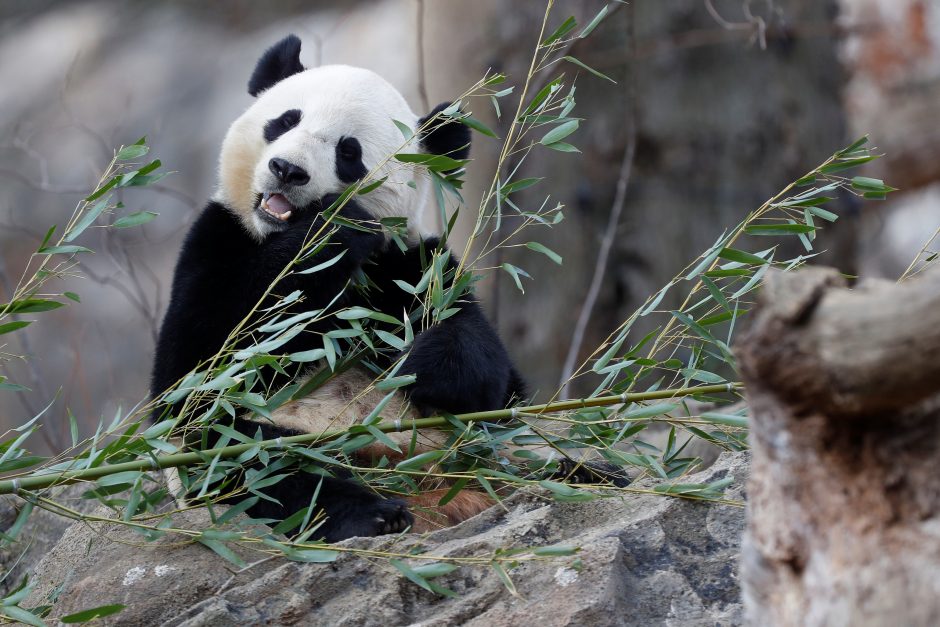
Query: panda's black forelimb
x=222, y=272
x=460, y=363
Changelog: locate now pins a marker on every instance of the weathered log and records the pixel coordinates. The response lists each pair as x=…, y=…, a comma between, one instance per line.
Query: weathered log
x=844, y=494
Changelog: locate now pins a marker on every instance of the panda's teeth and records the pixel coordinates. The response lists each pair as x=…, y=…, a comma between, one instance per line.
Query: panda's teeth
x=284, y=216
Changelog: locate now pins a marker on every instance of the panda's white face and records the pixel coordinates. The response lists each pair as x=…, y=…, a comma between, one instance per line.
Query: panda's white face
x=313, y=134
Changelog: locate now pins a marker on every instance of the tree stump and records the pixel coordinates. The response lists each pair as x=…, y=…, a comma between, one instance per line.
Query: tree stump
x=844, y=493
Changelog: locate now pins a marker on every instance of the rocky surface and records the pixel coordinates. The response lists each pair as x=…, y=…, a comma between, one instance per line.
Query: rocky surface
x=644, y=559
x=42, y=532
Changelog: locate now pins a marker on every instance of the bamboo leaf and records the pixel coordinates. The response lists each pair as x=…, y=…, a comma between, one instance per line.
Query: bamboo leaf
x=134, y=219
x=97, y=612
x=559, y=132
x=539, y=248
x=740, y=256
x=587, y=67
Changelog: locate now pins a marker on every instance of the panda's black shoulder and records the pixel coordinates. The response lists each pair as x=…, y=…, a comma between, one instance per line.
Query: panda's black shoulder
x=216, y=234
x=392, y=263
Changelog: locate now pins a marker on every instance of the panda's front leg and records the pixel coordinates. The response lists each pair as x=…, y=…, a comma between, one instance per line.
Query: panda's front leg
x=460, y=366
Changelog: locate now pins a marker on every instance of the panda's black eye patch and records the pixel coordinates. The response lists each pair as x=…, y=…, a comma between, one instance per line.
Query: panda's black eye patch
x=281, y=124
x=349, y=166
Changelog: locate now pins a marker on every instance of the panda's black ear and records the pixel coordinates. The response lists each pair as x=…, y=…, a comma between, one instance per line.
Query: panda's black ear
x=444, y=136
x=277, y=63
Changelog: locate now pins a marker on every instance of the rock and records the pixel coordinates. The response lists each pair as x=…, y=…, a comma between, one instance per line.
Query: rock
x=42, y=531
x=94, y=565
x=644, y=559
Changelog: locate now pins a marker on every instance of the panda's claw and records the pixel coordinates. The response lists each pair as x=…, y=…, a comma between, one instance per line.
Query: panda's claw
x=389, y=516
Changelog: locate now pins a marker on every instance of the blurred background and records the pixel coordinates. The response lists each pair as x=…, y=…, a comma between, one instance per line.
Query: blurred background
x=717, y=105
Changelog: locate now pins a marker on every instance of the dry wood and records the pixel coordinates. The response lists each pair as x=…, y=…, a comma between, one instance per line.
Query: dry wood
x=844, y=494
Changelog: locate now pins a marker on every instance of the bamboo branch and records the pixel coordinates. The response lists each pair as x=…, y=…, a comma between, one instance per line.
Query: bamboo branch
x=38, y=482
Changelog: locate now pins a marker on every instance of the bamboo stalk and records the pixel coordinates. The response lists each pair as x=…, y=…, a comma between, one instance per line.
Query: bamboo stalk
x=38, y=482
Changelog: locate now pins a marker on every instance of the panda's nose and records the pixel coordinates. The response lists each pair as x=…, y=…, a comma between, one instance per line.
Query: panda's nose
x=288, y=173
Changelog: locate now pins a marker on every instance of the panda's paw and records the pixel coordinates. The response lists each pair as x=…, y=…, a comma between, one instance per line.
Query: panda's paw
x=593, y=472
x=393, y=517
x=380, y=517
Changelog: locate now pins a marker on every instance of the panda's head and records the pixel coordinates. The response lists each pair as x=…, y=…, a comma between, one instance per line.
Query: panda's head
x=313, y=132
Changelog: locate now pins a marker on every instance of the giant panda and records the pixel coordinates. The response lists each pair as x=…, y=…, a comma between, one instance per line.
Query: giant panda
x=309, y=134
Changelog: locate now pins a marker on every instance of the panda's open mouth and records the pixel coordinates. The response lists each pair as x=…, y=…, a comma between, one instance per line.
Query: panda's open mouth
x=276, y=206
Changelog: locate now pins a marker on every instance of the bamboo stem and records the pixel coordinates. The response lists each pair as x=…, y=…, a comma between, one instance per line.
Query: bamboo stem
x=38, y=482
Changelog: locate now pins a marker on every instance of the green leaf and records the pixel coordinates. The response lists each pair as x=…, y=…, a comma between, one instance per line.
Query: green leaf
x=13, y=326
x=648, y=411
x=88, y=217
x=11, y=387
x=134, y=151
x=566, y=493
x=101, y=191
x=822, y=213
x=307, y=356
x=858, y=143
x=730, y=420
x=432, y=162
x=313, y=556
x=589, y=68
x=64, y=250
x=13, y=532
x=383, y=438
x=846, y=164
x=504, y=577
x=704, y=376
x=558, y=550
x=31, y=305
x=594, y=22
x=559, y=132
x=434, y=569
x=778, y=229
x=807, y=202
x=454, y=491
x=515, y=272
x=516, y=186
x=867, y=184
x=16, y=613
x=392, y=340
x=562, y=147
x=371, y=186
x=539, y=248
x=420, y=580
x=221, y=549
x=97, y=612
x=566, y=27
x=419, y=461
x=119, y=478
x=716, y=293
x=540, y=97
x=477, y=125
x=353, y=313
x=324, y=265
x=740, y=256
x=393, y=383
x=406, y=131
x=134, y=219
